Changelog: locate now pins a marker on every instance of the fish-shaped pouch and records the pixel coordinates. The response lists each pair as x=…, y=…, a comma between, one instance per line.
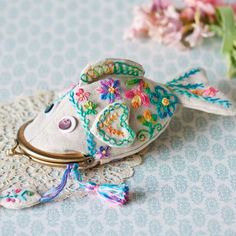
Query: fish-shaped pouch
x=113, y=112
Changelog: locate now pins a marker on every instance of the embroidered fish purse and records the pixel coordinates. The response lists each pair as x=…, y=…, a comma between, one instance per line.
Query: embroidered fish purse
x=113, y=112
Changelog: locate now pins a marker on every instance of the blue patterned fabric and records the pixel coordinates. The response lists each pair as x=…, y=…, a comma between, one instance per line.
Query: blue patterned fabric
x=187, y=183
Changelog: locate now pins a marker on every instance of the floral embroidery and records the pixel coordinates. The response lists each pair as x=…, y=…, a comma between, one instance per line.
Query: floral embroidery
x=196, y=90
x=110, y=89
x=90, y=108
x=17, y=194
x=211, y=91
x=82, y=95
x=164, y=101
x=85, y=121
x=103, y=152
x=149, y=120
x=138, y=96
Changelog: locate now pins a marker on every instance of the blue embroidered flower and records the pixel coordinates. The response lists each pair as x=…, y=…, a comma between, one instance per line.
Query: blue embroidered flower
x=164, y=101
x=110, y=89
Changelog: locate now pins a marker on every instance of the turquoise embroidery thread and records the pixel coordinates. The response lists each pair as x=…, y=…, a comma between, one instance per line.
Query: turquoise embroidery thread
x=123, y=123
x=184, y=76
x=83, y=116
x=219, y=101
x=21, y=195
x=178, y=88
x=159, y=98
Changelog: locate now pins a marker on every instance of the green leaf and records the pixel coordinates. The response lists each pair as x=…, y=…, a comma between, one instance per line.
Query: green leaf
x=217, y=30
x=226, y=17
x=132, y=82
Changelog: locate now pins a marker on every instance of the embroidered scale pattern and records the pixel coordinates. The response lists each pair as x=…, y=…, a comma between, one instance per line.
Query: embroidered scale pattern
x=110, y=67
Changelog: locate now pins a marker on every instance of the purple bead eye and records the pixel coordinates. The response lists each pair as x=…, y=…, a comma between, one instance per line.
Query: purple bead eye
x=67, y=124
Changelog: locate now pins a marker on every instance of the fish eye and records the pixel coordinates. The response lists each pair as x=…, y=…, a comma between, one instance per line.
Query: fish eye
x=49, y=108
x=67, y=124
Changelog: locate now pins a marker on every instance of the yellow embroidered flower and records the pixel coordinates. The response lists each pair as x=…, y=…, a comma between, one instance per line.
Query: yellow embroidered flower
x=90, y=107
x=136, y=101
x=165, y=102
x=147, y=119
x=197, y=91
x=147, y=115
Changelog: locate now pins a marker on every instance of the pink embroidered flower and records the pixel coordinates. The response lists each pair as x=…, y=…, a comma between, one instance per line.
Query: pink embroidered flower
x=82, y=95
x=138, y=96
x=110, y=90
x=211, y=91
x=18, y=190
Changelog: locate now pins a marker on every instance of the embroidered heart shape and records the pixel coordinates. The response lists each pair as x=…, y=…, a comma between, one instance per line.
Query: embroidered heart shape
x=112, y=126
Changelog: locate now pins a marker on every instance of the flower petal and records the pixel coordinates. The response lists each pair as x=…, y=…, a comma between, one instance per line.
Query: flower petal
x=145, y=99
x=129, y=94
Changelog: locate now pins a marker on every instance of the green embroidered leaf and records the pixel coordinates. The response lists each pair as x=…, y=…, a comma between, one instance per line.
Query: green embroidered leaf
x=132, y=82
x=147, y=90
x=140, y=118
x=154, y=117
x=146, y=123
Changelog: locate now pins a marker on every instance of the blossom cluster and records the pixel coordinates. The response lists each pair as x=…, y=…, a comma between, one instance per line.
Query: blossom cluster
x=184, y=27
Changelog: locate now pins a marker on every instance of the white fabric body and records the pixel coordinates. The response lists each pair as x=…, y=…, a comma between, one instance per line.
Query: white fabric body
x=44, y=134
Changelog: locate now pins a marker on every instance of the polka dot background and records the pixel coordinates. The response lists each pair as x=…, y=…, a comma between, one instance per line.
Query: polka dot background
x=187, y=183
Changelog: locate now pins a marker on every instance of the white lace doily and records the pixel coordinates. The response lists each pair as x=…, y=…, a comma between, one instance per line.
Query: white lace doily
x=21, y=171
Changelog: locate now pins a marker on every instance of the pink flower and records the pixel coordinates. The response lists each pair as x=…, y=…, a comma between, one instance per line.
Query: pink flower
x=82, y=95
x=187, y=14
x=211, y=91
x=205, y=6
x=138, y=96
x=200, y=31
x=159, y=21
x=160, y=4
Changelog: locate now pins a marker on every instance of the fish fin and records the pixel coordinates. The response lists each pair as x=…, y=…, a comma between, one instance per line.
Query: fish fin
x=193, y=90
x=109, y=67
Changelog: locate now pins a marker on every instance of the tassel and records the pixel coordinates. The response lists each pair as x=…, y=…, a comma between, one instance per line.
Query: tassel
x=55, y=191
x=114, y=193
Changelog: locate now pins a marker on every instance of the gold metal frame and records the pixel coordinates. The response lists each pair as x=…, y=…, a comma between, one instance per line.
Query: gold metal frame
x=22, y=147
